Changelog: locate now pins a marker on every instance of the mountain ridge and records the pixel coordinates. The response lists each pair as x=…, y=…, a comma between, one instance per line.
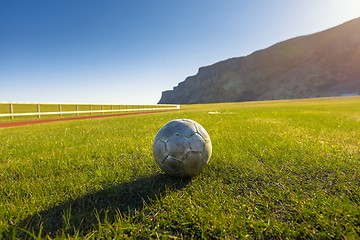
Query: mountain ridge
x=321, y=64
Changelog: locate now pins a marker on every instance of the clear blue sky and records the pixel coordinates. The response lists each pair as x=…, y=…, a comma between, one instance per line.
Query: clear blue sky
x=129, y=51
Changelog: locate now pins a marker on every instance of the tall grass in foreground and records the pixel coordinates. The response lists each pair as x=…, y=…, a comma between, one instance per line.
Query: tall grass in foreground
x=281, y=169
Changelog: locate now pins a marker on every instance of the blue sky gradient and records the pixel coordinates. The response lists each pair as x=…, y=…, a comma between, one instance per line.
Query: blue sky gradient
x=129, y=51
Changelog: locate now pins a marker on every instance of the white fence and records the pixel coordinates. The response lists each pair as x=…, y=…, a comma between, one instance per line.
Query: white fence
x=91, y=108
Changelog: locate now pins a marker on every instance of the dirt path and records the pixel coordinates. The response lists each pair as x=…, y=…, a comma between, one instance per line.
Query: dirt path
x=40, y=121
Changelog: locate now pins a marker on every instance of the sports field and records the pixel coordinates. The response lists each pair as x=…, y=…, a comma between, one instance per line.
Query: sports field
x=279, y=169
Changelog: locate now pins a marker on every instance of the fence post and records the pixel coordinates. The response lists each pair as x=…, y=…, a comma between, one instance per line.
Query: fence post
x=91, y=109
x=11, y=110
x=102, y=109
x=38, y=110
x=60, y=110
x=77, y=109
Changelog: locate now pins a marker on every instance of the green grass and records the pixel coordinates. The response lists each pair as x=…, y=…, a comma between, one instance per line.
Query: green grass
x=280, y=169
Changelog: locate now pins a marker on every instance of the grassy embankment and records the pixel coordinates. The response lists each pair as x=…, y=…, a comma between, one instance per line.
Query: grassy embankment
x=279, y=169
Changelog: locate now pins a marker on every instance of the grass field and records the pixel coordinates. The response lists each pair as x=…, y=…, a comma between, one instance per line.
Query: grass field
x=280, y=169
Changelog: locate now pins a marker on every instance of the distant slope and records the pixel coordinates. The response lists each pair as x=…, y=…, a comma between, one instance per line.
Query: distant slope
x=318, y=65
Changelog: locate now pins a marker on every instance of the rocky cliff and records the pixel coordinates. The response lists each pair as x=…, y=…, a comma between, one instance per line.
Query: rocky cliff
x=318, y=65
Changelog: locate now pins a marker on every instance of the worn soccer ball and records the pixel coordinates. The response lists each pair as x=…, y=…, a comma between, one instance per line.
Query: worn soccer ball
x=182, y=147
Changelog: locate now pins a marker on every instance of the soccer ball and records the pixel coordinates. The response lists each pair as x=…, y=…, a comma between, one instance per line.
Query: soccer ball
x=182, y=147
